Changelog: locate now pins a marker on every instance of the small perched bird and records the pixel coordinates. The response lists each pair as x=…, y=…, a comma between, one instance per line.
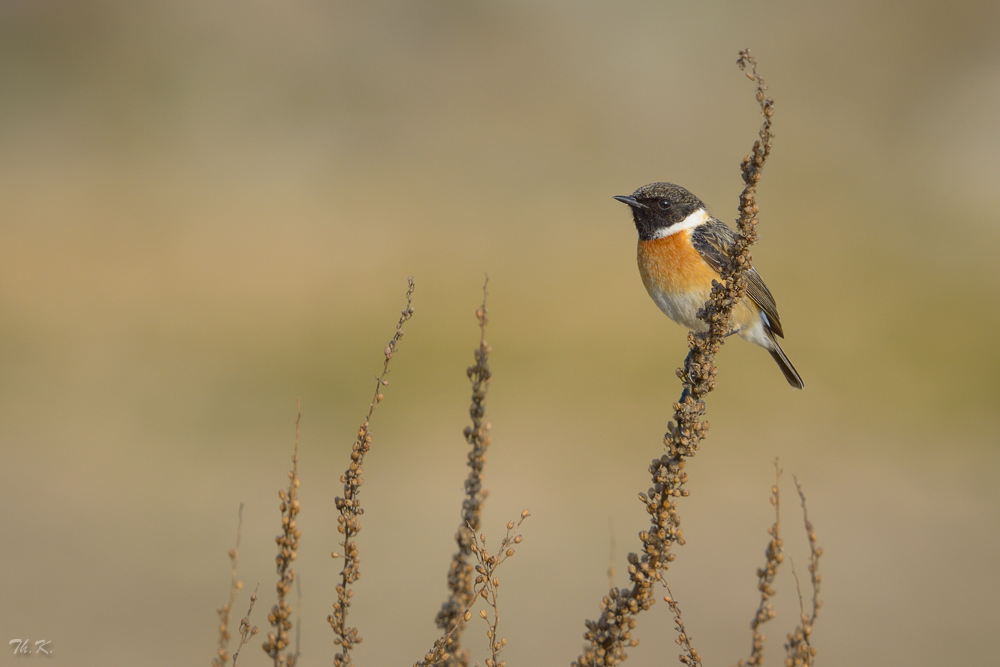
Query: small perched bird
x=681, y=250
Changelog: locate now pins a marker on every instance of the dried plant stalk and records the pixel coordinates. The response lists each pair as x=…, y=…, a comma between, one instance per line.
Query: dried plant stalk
x=611, y=554
x=690, y=656
x=460, y=577
x=799, y=652
x=486, y=587
x=348, y=523
x=246, y=630
x=765, y=578
x=225, y=612
x=486, y=567
x=288, y=546
x=610, y=634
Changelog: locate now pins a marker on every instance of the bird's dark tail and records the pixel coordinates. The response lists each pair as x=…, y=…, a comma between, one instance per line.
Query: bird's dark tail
x=791, y=374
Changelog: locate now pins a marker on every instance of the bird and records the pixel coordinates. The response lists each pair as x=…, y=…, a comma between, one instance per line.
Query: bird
x=681, y=250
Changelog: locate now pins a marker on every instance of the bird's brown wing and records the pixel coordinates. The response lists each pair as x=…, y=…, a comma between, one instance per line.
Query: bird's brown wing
x=713, y=241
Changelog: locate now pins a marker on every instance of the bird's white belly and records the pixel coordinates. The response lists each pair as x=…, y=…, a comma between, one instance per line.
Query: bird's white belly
x=681, y=307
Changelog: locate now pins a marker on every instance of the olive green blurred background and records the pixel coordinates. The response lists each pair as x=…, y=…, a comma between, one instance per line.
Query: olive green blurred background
x=210, y=209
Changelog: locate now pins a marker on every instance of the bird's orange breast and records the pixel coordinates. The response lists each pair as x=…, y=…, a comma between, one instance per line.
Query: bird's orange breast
x=672, y=265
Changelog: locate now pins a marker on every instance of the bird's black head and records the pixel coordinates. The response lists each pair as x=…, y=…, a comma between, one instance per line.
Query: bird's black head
x=658, y=206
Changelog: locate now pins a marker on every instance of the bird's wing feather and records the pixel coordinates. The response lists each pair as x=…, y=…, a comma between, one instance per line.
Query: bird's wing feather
x=713, y=241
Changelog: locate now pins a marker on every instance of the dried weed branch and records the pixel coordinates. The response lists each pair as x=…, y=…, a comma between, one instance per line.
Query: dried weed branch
x=765, y=578
x=486, y=567
x=225, y=612
x=349, y=525
x=288, y=545
x=690, y=656
x=799, y=651
x=487, y=587
x=611, y=554
x=246, y=630
x=608, y=636
x=460, y=578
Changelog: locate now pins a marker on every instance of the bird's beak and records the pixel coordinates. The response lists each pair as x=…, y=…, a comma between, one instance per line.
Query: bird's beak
x=631, y=201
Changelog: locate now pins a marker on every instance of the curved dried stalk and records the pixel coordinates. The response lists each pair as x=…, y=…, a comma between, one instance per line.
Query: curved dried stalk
x=799, y=651
x=348, y=523
x=608, y=636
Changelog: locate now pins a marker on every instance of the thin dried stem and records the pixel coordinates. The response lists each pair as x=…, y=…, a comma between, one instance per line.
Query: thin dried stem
x=798, y=587
x=225, y=612
x=349, y=506
x=611, y=555
x=288, y=546
x=799, y=650
x=486, y=566
x=486, y=587
x=815, y=551
x=246, y=630
x=765, y=578
x=610, y=634
x=690, y=656
x=460, y=578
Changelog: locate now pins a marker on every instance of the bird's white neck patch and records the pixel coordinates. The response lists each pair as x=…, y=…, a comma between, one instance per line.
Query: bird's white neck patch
x=699, y=217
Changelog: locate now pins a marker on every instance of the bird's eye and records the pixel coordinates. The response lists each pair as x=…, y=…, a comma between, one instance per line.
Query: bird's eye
x=665, y=204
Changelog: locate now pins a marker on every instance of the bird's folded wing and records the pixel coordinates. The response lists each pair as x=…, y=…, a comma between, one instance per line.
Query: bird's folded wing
x=713, y=241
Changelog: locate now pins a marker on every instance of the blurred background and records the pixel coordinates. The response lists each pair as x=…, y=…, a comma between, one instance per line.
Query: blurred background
x=210, y=209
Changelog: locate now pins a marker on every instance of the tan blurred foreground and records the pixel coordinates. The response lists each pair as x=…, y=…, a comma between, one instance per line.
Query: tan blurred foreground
x=210, y=210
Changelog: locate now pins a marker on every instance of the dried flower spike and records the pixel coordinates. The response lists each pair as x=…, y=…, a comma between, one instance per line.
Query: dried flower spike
x=288, y=547
x=460, y=580
x=349, y=506
x=608, y=636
